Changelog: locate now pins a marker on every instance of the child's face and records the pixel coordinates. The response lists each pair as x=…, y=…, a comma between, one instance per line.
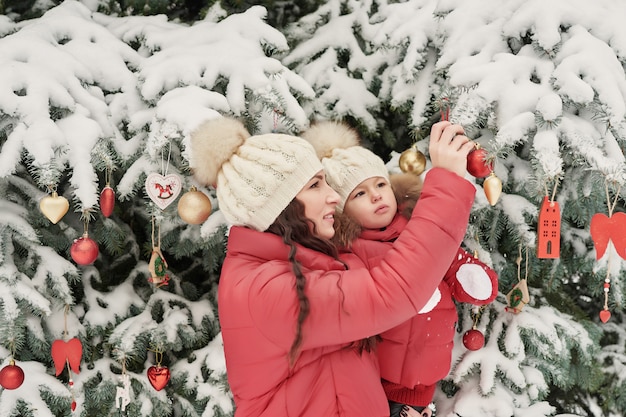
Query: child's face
x=372, y=203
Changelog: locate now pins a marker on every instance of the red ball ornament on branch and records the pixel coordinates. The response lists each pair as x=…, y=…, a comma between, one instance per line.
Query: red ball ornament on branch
x=11, y=376
x=473, y=339
x=478, y=163
x=84, y=250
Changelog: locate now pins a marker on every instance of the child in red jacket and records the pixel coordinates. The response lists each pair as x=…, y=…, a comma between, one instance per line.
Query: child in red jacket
x=373, y=210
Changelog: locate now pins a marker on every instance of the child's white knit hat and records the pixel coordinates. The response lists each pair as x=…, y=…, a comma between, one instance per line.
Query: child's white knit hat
x=345, y=162
x=256, y=177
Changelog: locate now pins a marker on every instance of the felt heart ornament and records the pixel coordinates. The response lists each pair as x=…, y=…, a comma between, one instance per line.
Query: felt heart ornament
x=67, y=352
x=604, y=228
x=605, y=315
x=163, y=190
x=54, y=207
x=158, y=376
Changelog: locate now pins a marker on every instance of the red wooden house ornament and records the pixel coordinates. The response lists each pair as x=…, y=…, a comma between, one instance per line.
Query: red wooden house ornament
x=549, y=230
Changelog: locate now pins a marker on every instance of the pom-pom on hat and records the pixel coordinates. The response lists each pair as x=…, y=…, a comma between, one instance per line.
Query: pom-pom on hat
x=346, y=163
x=256, y=177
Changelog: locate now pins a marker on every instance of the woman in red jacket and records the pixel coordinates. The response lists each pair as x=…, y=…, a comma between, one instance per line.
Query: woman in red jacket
x=294, y=316
x=373, y=210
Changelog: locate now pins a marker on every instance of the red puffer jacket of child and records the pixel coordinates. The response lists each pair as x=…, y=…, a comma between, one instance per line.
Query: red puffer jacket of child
x=258, y=310
x=417, y=354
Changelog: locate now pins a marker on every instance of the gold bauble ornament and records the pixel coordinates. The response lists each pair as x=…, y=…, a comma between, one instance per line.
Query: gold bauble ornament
x=493, y=188
x=54, y=207
x=412, y=161
x=194, y=207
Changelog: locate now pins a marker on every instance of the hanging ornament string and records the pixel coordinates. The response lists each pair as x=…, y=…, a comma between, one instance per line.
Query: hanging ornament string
x=275, y=117
x=605, y=314
x=444, y=110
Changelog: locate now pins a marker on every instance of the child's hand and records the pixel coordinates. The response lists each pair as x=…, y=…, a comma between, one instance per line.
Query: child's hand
x=449, y=147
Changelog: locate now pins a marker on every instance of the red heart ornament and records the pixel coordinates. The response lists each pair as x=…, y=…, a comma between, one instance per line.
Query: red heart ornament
x=603, y=228
x=605, y=315
x=67, y=352
x=158, y=376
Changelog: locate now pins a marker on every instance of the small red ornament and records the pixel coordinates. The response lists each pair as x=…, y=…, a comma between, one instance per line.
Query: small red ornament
x=11, y=376
x=84, y=250
x=473, y=339
x=549, y=230
x=605, y=315
x=477, y=163
x=158, y=376
x=604, y=228
x=107, y=201
x=73, y=405
x=70, y=353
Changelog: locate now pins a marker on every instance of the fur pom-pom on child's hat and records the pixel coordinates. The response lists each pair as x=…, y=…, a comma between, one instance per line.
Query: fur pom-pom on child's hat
x=346, y=163
x=255, y=177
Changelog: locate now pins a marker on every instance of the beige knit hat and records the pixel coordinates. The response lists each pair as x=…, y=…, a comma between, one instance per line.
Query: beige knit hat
x=256, y=177
x=345, y=162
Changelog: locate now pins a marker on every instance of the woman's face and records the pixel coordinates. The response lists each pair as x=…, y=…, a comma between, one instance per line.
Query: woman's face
x=319, y=202
x=372, y=203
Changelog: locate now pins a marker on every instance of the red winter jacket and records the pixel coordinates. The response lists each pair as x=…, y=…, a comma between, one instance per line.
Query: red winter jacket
x=415, y=355
x=258, y=310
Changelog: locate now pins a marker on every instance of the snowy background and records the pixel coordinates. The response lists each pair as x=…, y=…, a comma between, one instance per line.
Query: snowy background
x=539, y=84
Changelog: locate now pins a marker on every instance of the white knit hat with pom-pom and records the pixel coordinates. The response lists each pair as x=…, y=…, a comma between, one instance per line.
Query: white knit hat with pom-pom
x=346, y=163
x=256, y=177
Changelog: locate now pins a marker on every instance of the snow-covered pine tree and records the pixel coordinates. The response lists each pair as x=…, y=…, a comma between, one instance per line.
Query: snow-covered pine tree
x=86, y=99
x=542, y=87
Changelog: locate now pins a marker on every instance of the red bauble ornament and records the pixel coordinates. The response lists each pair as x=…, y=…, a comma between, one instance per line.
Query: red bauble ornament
x=473, y=339
x=107, y=201
x=477, y=163
x=11, y=376
x=158, y=376
x=84, y=250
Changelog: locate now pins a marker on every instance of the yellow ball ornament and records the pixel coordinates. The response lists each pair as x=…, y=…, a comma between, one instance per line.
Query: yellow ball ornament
x=194, y=207
x=412, y=161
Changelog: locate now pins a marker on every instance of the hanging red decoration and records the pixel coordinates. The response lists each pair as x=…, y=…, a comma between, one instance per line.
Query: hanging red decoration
x=84, y=250
x=478, y=164
x=604, y=228
x=605, y=315
x=158, y=376
x=11, y=376
x=107, y=201
x=473, y=339
x=67, y=353
x=549, y=230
